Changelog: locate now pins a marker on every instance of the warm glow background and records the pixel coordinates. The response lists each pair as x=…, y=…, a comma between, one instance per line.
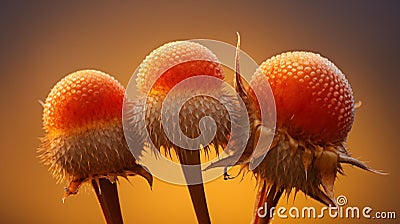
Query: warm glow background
x=41, y=42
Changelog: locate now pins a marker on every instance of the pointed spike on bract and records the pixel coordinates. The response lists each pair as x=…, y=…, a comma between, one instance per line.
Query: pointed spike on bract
x=238, y=54
x=295, y=194
x=355, y=162
x=320, y=196
x=238, y=78
x=287, y=194
x=41, y=103
x=143, y=172
x=125, y=177
x=307, y=160
x=328, y=184
x=306, y=174
x=326, y=164
x=358, y=105
x=98, y=184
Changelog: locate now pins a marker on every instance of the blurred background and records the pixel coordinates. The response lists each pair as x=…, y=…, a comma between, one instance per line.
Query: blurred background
x=41, y=42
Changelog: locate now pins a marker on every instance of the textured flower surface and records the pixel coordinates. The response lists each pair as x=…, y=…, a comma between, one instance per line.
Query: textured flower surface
x=84, y=138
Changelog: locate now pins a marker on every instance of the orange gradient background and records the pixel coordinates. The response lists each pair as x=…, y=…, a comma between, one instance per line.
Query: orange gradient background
x=43, y=41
